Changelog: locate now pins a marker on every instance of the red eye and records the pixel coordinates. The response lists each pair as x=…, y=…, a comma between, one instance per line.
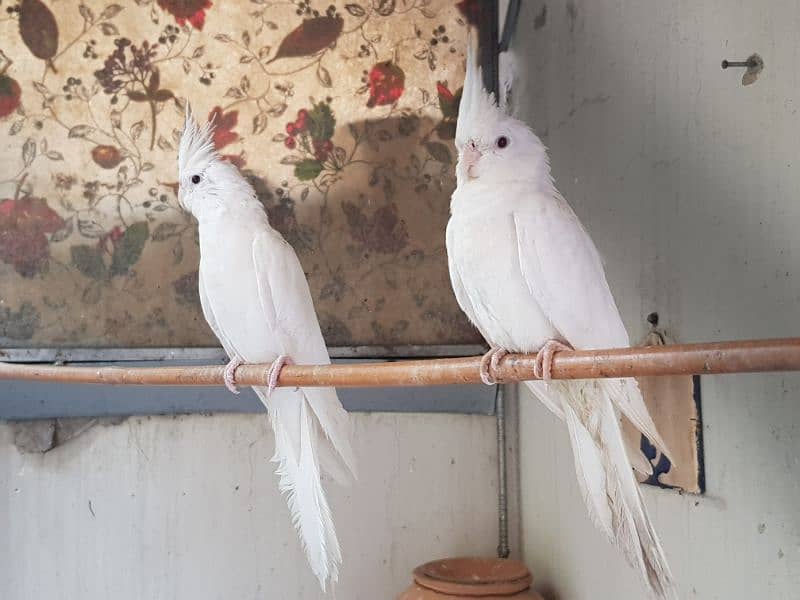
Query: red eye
x=502, y=141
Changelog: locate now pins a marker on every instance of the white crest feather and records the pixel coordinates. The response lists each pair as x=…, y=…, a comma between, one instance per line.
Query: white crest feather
x=196, y=150
x=476, y=102
x=508, y=74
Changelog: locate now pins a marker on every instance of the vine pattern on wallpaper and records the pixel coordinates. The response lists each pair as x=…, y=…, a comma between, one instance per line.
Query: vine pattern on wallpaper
x=342, y=115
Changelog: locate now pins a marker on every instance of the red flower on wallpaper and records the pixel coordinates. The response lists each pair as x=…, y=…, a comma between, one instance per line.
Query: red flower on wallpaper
x=445, y=95
x=224, y=133
x=10, y=93
x=109, y=241
x=107, y=157
x=24, y=224
x=193, y=11
x=448, y=103
x=471, y=9
x=386, y=84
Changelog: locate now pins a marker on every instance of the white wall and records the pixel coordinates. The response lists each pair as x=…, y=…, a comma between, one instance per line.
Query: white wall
x=188, y=508
x=690, y=185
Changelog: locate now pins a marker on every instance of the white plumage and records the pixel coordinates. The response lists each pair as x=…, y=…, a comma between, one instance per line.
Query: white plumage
x=256, y=300
x=525, y=271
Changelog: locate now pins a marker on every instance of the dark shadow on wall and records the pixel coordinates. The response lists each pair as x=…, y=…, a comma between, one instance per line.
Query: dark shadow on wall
x=369, y=228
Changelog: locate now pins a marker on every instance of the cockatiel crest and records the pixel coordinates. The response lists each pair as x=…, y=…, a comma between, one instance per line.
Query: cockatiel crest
x=196, y=150
x=488, y=138
x=202, y=173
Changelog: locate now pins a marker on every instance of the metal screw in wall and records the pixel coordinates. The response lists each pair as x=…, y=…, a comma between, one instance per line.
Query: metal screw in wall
x=754, y=65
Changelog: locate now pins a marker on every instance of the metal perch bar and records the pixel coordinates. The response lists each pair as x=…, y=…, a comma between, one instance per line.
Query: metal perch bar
x=754, y=356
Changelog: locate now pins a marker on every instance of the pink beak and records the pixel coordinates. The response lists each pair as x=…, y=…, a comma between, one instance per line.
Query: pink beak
x=471, y=156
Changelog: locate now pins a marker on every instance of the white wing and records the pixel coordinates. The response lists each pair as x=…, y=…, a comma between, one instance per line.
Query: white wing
x=208, y=313
x=459, y=289
x=565, y=275
x=285, y=297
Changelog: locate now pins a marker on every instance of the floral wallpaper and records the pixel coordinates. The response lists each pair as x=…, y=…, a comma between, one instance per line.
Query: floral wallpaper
x=342, y=114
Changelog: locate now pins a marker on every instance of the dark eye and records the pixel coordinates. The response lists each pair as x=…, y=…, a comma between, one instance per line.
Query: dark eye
x=502, y=141
x=195, y=178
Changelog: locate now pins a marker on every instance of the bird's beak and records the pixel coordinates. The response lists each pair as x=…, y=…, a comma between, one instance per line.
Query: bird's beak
x=471, y=156
x=180, y=199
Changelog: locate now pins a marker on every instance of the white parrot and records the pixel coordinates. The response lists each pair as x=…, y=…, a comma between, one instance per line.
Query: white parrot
x=256, y=300
x=528, y=276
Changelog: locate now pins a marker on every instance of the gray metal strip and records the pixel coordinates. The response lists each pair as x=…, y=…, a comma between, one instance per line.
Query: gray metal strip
x=20, y=400
x=79, y=355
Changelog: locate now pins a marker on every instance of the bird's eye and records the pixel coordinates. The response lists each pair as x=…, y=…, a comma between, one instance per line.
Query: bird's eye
x=502, y=141
x=195, y=178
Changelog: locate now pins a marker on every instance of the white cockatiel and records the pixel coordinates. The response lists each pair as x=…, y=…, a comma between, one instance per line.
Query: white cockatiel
x=256, y=299
x=528, y=276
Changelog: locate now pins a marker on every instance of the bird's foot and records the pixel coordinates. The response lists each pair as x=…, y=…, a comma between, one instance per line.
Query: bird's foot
x=275, y=371
x=543, y=367
x=489, y=364
x=230, y=374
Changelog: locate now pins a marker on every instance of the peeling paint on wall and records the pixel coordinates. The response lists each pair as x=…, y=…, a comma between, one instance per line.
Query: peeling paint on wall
x=43, y=435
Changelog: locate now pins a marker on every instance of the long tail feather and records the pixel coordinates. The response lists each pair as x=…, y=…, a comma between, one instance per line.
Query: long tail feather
x=303, y=447
x=643, y=545
x=627, y=397
x=336, y=453
x=550, y=396
x=608, y=486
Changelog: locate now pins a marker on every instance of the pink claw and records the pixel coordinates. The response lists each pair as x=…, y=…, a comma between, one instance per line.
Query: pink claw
x=275, y=372
x=543, y=367
x=230, y=374
x=489, y=364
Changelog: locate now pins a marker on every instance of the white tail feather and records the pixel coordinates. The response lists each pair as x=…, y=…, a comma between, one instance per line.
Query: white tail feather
x=336, y=453
x=627, y=397
x=550, y=395
x=605, y=478
x=638, y=460
x=591, y=474
x=641, y=544
x=303, y=446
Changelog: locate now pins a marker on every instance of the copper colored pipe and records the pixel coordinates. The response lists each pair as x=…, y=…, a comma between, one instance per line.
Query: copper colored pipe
x=755, y=356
